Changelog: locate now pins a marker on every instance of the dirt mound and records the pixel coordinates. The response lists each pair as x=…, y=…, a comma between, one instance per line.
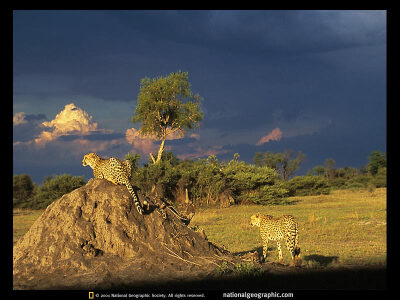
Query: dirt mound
x=94, y=238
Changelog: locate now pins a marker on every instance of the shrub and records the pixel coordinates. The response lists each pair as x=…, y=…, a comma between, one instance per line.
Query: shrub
x=23, y=189
x=52, y=189
x=260, y=185
x=338, y=183
x=307, y=185
x=380, y=180
x=247, y=270
x=164, y=176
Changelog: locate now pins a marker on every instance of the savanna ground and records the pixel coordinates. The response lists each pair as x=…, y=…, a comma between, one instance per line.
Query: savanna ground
x=342, y=238
x=345, y=228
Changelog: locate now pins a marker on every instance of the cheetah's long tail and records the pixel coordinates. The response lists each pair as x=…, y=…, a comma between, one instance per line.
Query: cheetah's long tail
x=135, y=199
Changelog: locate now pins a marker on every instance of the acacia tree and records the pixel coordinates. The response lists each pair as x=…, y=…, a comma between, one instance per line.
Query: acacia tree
x=284, y=163
x=23, y=189
x=166, y=105
x=289, y=164
x=330, y=168
x=376, y=160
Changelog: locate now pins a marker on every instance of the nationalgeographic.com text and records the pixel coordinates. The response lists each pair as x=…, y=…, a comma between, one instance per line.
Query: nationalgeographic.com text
x=257, y=295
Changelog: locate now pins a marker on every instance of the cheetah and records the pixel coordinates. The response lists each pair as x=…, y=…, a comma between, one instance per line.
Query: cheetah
x=114, y=170
x=277, y=229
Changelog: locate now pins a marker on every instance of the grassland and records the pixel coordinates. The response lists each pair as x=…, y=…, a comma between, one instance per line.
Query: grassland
x=345, y=228
x=23, y=220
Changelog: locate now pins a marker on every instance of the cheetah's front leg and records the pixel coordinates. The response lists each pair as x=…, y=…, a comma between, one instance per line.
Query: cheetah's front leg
x=278, y=244
x=265, y=248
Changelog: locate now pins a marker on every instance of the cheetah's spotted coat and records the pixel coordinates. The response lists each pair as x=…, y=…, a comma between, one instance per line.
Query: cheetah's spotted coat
x=114, y=170
x=277, y=229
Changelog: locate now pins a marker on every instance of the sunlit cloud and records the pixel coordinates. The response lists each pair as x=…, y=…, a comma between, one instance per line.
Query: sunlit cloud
x=140, y=144
x=72, y=120
x=195, y=136
x=146, y=144
x=274, y=135
x=19, y=118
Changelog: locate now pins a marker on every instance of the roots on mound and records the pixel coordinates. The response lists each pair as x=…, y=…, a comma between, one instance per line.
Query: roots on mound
x=93, y=237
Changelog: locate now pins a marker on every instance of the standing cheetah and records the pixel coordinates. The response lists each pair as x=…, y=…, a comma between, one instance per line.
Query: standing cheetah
x=277, y=229
x=114, y=170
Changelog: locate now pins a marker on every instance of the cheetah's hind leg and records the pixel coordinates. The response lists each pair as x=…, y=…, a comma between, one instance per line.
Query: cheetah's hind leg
x=297, y=256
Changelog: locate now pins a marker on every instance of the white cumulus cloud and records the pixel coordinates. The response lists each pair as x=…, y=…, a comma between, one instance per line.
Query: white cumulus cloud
x=72, y=120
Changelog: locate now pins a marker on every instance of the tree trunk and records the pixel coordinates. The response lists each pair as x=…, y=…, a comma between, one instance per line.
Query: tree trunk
x=160, y=151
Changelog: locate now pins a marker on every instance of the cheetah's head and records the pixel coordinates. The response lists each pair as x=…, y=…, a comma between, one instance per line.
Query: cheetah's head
x=255, y=220
x=89, y=158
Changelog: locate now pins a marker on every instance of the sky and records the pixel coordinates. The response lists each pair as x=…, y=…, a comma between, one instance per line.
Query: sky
x=310, y=81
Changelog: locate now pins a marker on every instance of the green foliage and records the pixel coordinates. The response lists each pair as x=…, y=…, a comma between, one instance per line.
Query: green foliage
x=258, y=159
x=271, y=160
x=166, y=105
x=341, y=183
x=163, y=175
x=307, y=185
x=23, y=189
x=379, y=180
x=284, y=163
x=52, y=189
x=364, y=170
x=203, y=179
x=376, y=160
x=330, y=168
x=360, y=181
x=259, y=185
x=223, y=268
x=346, y=173
x=134, y=161
x=371, y=188
x=319, y=170
x=208, y=180
x=247, y=270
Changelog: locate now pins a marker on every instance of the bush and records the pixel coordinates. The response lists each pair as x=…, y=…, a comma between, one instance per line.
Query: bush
x=207, y=179
x=23, y=189
x=380, y=179
x=260, y=185
x=307, y=185
x=52, y=189
x=163, y=175
x=338, y=183
x=247, y=270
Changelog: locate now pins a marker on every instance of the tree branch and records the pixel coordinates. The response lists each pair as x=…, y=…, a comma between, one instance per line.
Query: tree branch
x=152, y=158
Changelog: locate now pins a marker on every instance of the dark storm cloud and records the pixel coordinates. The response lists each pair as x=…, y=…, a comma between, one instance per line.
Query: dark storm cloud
x=269, y=32
x=27, y=127
x=319, y=76
x=93, y=136
x=35, y=117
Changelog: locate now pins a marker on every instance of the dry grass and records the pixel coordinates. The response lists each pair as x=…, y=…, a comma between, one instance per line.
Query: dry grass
x=345, y=228
x=22, y=221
